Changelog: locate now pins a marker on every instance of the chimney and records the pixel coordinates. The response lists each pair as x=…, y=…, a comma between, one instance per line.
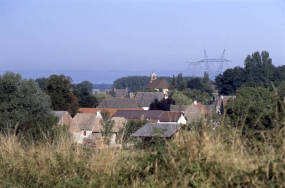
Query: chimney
x=195, y=102
x=99, y=113
x=132, y=95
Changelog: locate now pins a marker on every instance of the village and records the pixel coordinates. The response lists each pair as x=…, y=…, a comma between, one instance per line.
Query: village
x=86, y=126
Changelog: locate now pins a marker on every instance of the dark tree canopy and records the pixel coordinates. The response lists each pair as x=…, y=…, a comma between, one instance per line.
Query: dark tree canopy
x=163, y=105
x=59, y=89
x=134, y=83
x=180, y=82
x=258, y=71
x=88, y=85
x=43, y=82
x=137, y=83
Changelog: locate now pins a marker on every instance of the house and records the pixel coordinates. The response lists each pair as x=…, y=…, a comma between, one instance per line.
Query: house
x=201, y=107
x=85, y=122
x=112, y=111
x=193, y=112
x=211, y=108
x=157, y=84
x=118, y=103
x=221, y=101
x=166, y=130
x=151, y=115
x=90, y=126
x=121, y=93
x=64, y=118
x=181, y=108
x=119, y=122
x=172, y=117
x=144, y=99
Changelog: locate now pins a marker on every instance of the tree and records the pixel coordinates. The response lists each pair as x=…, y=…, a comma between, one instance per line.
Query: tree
x=43, y=82
x=198, y=95
x=89, y=102
x=59, y=89
x=258, y=71
x=88, y=85
x=181, y=99
x=180, y=82
x=23, y=105
x=107, y=126
x=85, y=99
x=173, y=84
x=195, y=83
x=206, y=77
x=101, y=96
x=253, y=108
x=163, y=105
x=232, y=79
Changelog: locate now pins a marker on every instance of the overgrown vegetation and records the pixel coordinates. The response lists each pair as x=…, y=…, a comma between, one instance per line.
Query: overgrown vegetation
x=199, y=158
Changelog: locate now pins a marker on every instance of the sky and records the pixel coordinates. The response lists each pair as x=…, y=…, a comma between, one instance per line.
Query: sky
x=136, y=35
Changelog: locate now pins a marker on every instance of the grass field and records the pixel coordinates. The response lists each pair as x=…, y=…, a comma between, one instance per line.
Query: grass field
x=197, y=158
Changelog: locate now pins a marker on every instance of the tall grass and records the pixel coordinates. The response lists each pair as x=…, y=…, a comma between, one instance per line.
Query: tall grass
x=199, y=158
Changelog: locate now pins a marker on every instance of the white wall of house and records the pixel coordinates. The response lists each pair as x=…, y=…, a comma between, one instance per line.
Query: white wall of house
x=87, y=133
x=145, y=108
x=182, y=120
x=78, y=137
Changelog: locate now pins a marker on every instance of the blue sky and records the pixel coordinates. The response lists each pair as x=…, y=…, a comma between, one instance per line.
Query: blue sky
x=136, y=35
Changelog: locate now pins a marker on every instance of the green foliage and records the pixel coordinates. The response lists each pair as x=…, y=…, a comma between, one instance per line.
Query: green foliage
x=59, y=90
x=88, y=85
x=137, y=83
x=22, y=103
x=206, y=77
x=173, y=84
x=253, y=108
x=180, y=82
x=43, y=82
x=181, y=99
x=89, y=102
x=230, y=80
x=101, y=96
x=107, y=126
x=134, y=83
x=86, y=100
x=258, y=71
x=198, y=95
x=124, y=134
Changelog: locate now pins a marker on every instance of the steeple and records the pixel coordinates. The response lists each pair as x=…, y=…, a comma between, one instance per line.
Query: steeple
x=153, y=76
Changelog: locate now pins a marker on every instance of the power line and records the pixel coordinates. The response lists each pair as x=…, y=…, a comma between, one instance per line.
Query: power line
x=209, y=64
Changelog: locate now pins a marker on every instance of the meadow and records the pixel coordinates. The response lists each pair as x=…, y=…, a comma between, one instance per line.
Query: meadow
x=202, y=157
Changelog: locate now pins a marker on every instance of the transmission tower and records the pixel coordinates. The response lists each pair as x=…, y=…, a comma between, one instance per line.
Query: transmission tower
x=209, y=64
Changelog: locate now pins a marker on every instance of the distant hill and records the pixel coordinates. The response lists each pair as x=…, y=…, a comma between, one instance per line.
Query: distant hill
x=102, y=86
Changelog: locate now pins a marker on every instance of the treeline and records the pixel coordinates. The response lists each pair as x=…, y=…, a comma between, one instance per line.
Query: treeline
x=258, y=71
x=26, y=104
x=137, y=83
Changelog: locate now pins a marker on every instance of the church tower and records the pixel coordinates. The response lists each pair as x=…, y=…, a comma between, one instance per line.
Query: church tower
x=153, y=76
